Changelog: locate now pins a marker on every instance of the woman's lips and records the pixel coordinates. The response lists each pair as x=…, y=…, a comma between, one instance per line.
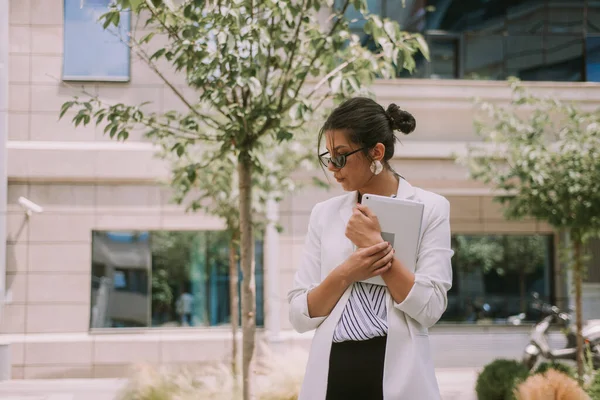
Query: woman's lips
x=339, y=179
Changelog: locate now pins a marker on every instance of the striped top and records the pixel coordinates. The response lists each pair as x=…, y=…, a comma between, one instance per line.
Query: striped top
x=365, y=314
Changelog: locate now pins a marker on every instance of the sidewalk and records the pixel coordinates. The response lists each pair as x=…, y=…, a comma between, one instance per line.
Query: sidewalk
x=455, y=384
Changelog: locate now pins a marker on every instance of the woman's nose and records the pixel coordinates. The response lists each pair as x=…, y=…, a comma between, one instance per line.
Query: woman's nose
x=331, y=167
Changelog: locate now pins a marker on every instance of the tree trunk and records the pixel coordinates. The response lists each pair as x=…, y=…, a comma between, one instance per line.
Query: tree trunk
x=247, y=263
x=577, y=281
x=234, y=299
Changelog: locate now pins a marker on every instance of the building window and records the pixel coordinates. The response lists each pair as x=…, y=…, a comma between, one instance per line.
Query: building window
x=92, y=53
x=593, y=59
x=165, y=279
x=494, y=277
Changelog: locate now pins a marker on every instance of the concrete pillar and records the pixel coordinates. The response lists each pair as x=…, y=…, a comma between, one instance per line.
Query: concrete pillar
x=5, y=362
x=5, y=365
x=273, y=295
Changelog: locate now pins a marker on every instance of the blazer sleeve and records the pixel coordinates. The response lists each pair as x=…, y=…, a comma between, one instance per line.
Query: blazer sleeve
x=307, y=277
x=427, y=300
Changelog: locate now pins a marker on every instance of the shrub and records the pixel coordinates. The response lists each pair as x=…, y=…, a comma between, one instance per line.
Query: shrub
x=277, y=377
x=594, y=386
x=170, y=383
x=498, y=379
x=551, y=384
x=557, y=366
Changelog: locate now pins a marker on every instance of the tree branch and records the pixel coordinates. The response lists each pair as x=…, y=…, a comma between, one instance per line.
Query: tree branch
x=284, y=76
x=268, y=64
x=176, y=131
x=318, y=52
x=332, y=73
x=175, y=34
x=154, y=13
x=146, y=58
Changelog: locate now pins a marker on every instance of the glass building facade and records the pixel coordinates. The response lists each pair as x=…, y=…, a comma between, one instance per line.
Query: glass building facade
x=534, y=40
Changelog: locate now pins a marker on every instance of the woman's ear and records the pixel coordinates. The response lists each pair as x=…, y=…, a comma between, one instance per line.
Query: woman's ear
x=378, y=152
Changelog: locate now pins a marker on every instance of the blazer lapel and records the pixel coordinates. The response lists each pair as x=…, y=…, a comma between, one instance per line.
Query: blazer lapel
x=347, y=207
x=405, y=190
x=346, y=246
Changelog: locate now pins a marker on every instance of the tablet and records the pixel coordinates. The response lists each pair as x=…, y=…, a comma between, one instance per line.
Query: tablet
x=400, y=222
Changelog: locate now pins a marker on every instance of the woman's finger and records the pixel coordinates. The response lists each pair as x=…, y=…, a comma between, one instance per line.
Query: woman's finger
x=375, y=249
x=387, y=258
x=383, y=269
x=383, y=253
x=380, y=254
x=366, y=211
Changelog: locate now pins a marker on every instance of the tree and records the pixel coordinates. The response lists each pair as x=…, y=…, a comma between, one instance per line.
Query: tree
x=215, y=190
x=260, y=70
x=542, y=156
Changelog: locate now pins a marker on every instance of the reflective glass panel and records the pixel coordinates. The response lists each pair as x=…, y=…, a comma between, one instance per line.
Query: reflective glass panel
x=92, y=53
x=496, y=275
x=165, y=279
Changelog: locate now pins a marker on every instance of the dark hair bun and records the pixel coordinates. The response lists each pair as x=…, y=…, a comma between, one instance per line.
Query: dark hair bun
x=401, y=120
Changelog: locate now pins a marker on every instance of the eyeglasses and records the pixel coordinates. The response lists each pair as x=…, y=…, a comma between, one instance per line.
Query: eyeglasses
x=338, y=161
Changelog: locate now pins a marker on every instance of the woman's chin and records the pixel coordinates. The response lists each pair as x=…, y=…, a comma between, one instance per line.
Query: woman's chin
x=345, y=185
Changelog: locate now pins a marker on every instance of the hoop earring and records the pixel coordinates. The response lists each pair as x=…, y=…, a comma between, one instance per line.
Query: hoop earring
x=376, y=167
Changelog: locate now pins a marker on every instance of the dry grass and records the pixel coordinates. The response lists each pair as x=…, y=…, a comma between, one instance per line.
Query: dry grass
x=278, y=376
x=552, y=385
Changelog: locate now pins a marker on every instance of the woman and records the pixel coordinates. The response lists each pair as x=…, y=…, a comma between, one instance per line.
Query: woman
x=371, y=341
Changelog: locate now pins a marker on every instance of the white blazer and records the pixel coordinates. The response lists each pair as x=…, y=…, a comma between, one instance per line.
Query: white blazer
x=408, y=370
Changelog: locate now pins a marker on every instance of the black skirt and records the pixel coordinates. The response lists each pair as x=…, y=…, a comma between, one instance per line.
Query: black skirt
x=356, y=370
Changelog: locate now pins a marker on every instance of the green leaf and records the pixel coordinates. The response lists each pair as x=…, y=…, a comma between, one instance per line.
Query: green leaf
x=284, y=135
x=123, y=135
x=116, y=18
x=99, y=118
x=192, y=175
x=147, y=38
x=159, y=53
x=423, y=46
x=108, y=127
x=65, y=107
x=113, y=130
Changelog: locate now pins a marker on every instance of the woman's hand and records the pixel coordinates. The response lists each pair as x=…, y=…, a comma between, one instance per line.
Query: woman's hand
x=368, y=262
x=363, y=227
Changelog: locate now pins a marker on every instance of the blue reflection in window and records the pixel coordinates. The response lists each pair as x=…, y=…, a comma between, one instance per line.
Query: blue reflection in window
x=593, y=58
x=120, y=282
x=92, y=53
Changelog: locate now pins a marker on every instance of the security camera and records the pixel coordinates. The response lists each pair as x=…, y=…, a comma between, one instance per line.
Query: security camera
x=29, y=206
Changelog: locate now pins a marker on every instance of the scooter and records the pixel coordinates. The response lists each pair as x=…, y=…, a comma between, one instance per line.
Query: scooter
x=539, y=349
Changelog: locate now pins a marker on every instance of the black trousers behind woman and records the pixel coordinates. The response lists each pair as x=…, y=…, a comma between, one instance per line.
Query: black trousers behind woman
x=356, y=370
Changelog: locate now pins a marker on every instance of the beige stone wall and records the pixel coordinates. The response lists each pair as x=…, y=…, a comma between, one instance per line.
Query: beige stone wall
x=36, y=92
x=49, y=254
